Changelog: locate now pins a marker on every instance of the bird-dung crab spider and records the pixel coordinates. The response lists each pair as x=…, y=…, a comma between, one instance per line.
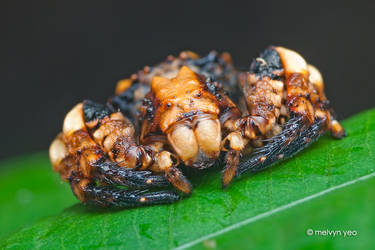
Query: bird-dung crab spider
x=185, y=114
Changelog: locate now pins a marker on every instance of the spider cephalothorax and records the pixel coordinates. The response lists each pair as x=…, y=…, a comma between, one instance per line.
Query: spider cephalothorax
x=130, y=92
x=188, y=117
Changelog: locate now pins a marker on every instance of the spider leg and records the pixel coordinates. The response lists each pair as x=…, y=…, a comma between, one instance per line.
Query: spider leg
x=232, y=158
x=263, y=89
x=322, y=104
x=337, y=131
x=85, y=168
x=75, y=150
x=109, y=196
x=305, y=104
x=109, y=172
x=295, y=136
x=116, y=136
x=178, y=180
x=94, y=165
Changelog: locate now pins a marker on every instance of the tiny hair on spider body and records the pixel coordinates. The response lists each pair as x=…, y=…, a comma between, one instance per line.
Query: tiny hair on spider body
x=188, y=110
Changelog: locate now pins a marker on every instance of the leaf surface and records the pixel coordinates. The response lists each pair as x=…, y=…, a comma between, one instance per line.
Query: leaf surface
x=343, y=219
x=326, y=167
x=30, y=191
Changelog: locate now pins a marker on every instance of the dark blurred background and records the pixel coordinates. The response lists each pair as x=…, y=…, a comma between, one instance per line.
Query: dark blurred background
x=56, y=53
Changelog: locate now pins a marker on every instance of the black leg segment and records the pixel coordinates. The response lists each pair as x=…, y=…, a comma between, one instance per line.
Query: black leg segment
x=111, y=173
x=295, y=136
x=114, y=197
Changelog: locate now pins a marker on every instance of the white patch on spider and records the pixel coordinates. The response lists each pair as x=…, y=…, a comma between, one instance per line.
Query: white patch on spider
x=274, y=211
x=292, y=61
x=74, y=120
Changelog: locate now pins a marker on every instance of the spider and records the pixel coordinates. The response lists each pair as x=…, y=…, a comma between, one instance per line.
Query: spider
x=182, y=111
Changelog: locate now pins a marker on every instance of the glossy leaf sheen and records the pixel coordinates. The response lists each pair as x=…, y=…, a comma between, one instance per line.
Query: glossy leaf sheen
x=326, y=164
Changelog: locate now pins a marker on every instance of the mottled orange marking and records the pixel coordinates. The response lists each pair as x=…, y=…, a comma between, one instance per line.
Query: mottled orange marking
x=182, y=94
x=123, y=85
x=142, y=199
x=263, y=158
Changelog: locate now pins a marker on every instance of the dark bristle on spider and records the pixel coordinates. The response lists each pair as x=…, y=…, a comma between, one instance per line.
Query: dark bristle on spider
x=188, y=110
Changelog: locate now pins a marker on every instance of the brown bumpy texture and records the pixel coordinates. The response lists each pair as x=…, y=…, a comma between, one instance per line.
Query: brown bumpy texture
x=187, y=110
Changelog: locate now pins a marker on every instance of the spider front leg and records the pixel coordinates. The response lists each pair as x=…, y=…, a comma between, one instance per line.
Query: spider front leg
x=234, y=143
x=109, y=172
x=306, y=108
x=116, y=135
x=263, y=94
x=237, y=130
x=322, y=104
x=80, y=170
x=244, y=130
x=88, y=192
x=99, y=145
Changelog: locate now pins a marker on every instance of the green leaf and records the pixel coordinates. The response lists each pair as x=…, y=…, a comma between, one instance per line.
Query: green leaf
x=350, y=208
x=327, y=186
x=30, y=191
